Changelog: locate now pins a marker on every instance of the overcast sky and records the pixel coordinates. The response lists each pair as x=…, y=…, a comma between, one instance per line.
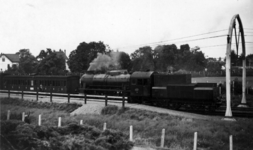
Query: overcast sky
x=124, y=25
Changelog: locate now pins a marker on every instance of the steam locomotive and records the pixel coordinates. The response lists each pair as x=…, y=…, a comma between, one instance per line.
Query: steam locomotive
x=166, y=90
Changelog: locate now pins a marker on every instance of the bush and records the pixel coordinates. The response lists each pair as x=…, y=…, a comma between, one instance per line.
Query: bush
x=72, y=136
x=67, y=107
x=109, y=110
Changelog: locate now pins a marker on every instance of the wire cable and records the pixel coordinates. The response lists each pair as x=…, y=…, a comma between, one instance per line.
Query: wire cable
x=201, y=38
x=218, y=45
x=154, y=43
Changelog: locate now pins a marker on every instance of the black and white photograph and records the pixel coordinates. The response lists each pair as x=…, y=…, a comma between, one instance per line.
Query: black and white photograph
x=126, y=74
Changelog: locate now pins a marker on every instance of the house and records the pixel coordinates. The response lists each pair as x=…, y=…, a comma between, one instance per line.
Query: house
x=8, y=60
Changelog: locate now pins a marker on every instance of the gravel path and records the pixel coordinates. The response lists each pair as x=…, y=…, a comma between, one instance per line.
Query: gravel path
x=92, y=108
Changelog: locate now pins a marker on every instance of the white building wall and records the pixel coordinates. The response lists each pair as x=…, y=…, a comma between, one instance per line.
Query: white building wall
x=4, y=62
x=67, y=66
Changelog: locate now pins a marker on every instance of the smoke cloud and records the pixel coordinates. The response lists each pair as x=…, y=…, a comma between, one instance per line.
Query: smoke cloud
x=105, y=62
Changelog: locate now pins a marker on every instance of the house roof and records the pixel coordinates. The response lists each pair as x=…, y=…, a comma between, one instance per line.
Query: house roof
x=12, y=57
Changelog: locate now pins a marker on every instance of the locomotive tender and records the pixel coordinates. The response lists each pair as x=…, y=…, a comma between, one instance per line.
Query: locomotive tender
x=167, y=90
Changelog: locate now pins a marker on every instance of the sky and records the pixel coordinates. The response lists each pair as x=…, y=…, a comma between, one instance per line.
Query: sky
x=124, y=25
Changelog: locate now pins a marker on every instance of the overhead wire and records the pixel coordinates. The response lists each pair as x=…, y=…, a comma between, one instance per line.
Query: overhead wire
x=219, y=45
x=154, y=43
x=203, y=38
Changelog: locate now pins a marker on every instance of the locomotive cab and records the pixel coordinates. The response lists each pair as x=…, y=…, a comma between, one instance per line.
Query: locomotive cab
x=141, y=84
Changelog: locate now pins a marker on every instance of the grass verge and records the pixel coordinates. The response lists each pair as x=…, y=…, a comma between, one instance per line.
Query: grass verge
x=147, y=126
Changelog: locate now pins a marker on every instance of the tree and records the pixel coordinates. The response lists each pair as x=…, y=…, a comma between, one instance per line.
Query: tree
x=51, y=63
x=234, y=58
x=43, y=54
x=12, y=70
x=249, y=60
x=142, y=59
x=213, y=66
x=165, y=57
x=196, y=61
x=27, y=62
x=85, y=53
x=125, y=61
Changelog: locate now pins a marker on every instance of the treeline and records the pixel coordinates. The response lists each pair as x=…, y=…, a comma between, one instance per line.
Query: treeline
x=48, y=62
x=163, y=58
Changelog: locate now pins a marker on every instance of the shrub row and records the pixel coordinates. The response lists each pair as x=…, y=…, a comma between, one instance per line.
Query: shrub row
x=70, y=137
x=67, y=107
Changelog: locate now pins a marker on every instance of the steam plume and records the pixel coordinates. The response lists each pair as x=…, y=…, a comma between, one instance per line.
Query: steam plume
x=105, y=62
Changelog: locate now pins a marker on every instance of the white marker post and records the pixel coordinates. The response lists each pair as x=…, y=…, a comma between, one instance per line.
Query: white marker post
x=131, y=133
x=104, y=127
x=81, y=122
x=195, y=141
x=162, y=138
x=230, y=142
x=23, y=116
x=8, y=114
x=39, y=122
x=59, y=122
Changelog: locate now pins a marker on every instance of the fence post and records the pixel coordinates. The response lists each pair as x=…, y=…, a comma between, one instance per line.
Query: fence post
x=131, y=133
x=8, y=114
x=247, y=88
x=195, y=141
x=220, y=88
x=23, y=116
x=105, y=98
x=59, y=122
x=37, y=95
x=81, y=122
x=230, y=142
x=22, y=92
x=39, y=123
x=51, y=96
x=68, y=97
x=104, y=127
x=85, y=98
x=162, y=138
x=9, y=91
x=123, y=102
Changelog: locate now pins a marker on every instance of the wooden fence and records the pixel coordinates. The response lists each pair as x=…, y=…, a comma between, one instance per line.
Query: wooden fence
x=85, y=97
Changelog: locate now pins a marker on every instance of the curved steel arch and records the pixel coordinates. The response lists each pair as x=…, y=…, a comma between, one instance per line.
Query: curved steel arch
x=228, y=64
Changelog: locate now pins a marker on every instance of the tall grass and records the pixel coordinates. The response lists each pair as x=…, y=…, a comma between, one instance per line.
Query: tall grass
x=147, y=126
